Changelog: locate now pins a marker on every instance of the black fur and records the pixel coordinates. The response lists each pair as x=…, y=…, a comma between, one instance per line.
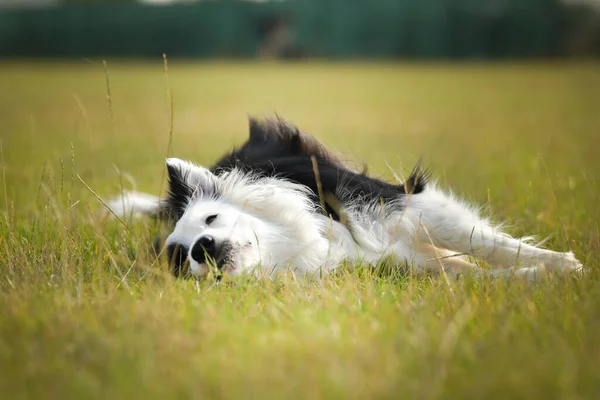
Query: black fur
x=178, y=194
x=272, y=140
x=276, y=148
x=177, y=256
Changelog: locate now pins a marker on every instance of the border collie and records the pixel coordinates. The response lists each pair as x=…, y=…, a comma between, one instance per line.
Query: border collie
x=282, y=201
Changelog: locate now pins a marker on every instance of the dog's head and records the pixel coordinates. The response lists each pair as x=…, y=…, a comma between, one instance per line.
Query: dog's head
x=209, y=231
x=234, y=221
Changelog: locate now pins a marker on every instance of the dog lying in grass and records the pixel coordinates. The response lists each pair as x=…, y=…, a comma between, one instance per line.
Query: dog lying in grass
x=282, y=201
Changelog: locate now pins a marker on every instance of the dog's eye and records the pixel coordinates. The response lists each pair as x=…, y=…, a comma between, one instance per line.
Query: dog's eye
x=210, y=219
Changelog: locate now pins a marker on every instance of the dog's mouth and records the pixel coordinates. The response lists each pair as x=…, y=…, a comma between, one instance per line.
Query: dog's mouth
x=208, y=267
x=205, y=269
x=219, y=267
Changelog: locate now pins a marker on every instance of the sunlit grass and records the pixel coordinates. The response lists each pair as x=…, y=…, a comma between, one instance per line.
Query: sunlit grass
x=87, y=311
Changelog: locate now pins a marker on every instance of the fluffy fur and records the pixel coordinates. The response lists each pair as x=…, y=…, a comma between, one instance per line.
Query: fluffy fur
x=283, y=201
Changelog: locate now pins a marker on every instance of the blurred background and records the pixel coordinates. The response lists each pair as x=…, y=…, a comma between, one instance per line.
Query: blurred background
x=340, y=29
x=425, y=92
x=471, y=87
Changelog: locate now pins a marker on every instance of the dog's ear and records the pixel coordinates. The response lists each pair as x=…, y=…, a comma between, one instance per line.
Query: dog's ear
x=187, y=181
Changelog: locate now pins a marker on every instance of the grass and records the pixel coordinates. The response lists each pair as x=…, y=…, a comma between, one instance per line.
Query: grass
x=86, y=312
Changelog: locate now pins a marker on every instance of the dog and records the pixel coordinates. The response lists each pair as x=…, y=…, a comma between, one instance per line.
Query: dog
x=284, y=202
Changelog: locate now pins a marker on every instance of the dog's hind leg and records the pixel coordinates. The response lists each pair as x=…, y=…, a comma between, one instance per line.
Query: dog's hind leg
x=447, y=223
x=427, y=257
x=440, y=261
x=454, y=266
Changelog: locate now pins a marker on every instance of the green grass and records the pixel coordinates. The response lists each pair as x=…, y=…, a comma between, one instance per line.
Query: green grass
x=86, y=312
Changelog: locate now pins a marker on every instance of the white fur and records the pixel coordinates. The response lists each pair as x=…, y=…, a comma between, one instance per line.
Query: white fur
x=274, y=226
x=134, y=204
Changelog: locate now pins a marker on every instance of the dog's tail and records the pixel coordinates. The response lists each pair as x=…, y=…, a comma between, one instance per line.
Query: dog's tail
x=134, y=204
x=417, y=180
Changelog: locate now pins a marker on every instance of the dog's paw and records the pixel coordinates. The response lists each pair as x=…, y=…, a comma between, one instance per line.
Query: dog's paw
x=560, y=263
x=565, y=263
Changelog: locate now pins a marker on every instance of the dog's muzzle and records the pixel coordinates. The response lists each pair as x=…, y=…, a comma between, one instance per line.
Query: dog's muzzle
x=207, y=250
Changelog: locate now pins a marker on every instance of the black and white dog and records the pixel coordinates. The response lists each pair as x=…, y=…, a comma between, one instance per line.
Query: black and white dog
x=283, y=201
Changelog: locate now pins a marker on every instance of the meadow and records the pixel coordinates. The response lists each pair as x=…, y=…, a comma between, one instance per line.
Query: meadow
x=86, y=311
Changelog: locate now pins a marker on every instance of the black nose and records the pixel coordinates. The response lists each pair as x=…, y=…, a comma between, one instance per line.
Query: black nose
x=204, y=246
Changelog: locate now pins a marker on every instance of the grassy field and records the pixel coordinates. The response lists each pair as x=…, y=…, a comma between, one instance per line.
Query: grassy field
x=86, y=312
